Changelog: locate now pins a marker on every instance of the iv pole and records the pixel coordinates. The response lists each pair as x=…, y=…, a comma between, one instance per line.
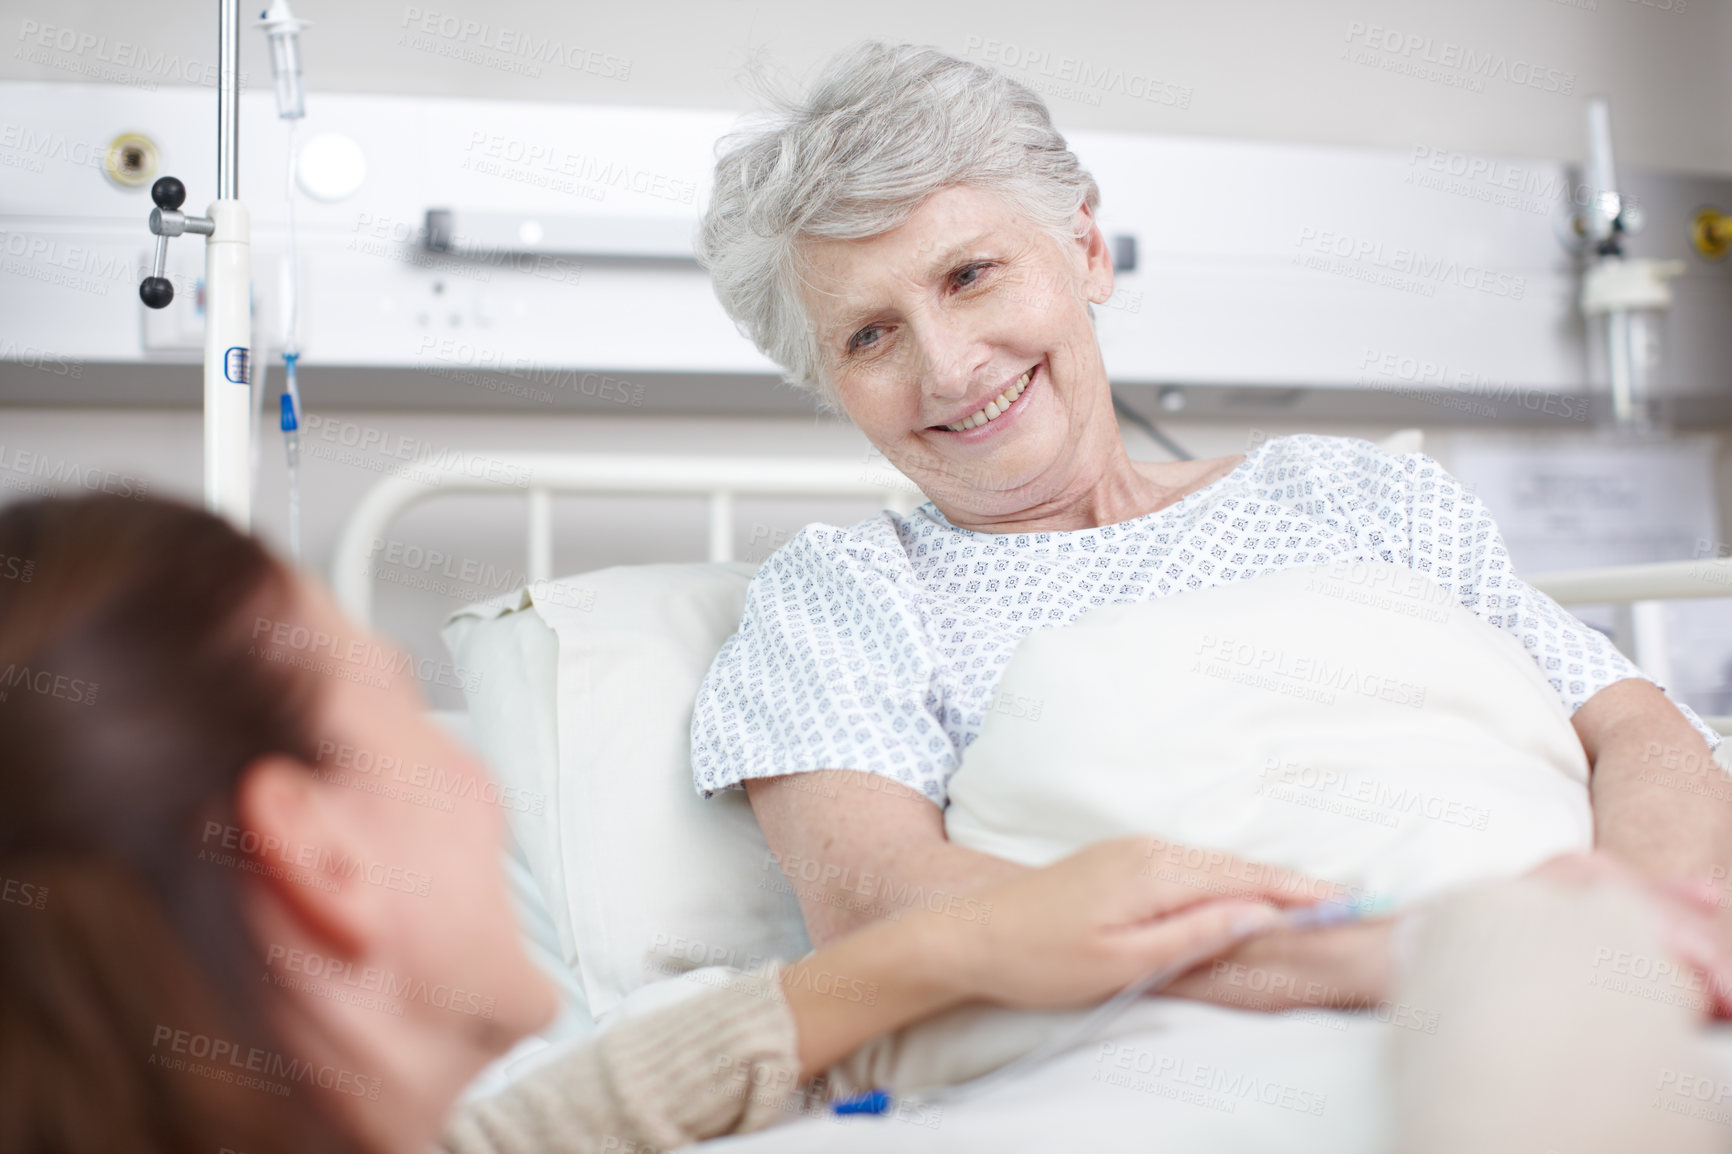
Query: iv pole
x=228, y=267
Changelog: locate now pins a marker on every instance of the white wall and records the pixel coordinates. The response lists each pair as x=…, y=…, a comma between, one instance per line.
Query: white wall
x=1259, y=69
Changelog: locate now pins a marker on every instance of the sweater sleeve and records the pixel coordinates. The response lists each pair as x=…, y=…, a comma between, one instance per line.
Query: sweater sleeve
x=719, y=1062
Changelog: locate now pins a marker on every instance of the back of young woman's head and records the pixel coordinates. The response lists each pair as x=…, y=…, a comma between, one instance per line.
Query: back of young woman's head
x=132, y=1015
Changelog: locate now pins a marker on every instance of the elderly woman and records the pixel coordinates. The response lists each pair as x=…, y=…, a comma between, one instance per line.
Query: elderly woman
x=915, y=242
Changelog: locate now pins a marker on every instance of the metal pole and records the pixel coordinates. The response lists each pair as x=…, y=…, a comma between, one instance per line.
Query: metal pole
x=1605, y=205
x=229, y=411
x=228, y=98
x=1620, y=360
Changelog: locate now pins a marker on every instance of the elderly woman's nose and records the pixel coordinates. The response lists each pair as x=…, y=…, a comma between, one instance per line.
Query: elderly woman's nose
x=948, y=361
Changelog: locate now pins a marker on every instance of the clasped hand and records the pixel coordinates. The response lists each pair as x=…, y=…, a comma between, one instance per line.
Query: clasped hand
x=1092, y=923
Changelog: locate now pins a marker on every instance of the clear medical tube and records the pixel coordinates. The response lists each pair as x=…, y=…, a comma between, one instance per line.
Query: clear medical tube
x=291, y=269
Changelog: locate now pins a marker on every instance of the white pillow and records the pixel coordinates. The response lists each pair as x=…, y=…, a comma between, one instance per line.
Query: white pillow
x=585, y=700
x=1351, y=721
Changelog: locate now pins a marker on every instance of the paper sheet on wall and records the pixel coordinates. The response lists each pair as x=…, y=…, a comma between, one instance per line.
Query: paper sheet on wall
x=1605, y=501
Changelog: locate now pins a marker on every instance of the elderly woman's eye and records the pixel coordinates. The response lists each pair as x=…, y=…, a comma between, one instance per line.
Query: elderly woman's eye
x=859, y=340
x=969, y=274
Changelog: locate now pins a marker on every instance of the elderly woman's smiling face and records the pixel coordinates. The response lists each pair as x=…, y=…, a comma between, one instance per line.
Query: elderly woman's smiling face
x=960, y=343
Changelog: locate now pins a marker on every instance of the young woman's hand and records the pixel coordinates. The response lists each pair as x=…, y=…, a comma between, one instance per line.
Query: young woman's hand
x=1090, y=924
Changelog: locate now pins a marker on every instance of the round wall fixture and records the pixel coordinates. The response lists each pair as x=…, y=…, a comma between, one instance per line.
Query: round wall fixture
x=330, y=167
x=131, y=160
x=1711, y=233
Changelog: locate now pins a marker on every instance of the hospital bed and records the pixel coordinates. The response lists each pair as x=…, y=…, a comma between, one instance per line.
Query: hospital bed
x=1334, y=1054
x=721, y=481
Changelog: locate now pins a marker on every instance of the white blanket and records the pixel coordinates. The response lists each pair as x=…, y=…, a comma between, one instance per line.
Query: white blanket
x=1352, y=722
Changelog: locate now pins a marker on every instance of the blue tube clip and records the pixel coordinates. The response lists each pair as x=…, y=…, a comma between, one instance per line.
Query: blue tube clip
x=871, y=1102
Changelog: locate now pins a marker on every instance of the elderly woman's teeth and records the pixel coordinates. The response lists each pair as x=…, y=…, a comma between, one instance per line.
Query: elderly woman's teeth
x=993, y=408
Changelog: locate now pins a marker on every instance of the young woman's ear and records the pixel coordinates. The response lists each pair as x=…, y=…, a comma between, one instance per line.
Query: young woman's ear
x=311, y=853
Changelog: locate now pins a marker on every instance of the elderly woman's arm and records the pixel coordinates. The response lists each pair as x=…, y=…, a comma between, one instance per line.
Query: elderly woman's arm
x=1348, y=967
x=857, y=847
x=1661, y=802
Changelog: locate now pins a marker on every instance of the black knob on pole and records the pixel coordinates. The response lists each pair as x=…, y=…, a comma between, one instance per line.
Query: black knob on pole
x=156, y=291
x=168, y=192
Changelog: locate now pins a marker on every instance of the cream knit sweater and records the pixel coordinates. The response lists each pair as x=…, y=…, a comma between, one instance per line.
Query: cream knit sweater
x=718, y=1062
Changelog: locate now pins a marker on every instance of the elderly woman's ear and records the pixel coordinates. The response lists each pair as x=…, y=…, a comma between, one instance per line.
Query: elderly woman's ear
x=1098, y=279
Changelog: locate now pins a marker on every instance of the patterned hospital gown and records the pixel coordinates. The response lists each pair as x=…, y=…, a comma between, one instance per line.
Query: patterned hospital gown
x=877, y=647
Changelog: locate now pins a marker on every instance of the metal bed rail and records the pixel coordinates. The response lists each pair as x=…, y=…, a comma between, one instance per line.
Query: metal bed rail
x=539, y=476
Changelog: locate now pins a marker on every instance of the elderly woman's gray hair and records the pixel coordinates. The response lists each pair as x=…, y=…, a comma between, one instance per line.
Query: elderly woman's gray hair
x=884, y=127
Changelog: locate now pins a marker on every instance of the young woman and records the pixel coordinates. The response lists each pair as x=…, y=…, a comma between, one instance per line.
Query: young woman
x=216, y=934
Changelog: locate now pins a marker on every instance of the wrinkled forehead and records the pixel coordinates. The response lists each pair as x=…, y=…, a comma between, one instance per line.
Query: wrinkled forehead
x=843, y=280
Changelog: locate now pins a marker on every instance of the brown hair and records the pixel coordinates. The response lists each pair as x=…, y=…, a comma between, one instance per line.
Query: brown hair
x=129, y=709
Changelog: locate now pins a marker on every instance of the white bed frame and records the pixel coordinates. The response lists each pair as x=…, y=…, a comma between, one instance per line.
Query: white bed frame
x=1636, y=590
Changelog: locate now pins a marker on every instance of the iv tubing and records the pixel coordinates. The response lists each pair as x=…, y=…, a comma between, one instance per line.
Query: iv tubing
x=290, y=421
x=292, y=327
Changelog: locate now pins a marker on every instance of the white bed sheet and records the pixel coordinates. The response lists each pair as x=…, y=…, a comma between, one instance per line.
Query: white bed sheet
x=1208, y=1070
x=1062, y=1105
x=1262, y=1078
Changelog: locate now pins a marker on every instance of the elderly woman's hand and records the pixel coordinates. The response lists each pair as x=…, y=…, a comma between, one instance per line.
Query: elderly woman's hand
x=1092, y=923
